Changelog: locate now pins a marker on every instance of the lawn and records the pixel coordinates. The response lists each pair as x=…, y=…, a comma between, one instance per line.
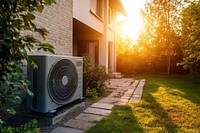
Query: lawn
x=169, y=104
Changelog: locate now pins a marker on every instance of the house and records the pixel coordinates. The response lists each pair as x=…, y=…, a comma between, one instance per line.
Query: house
x=94, y=26
x=79, y=27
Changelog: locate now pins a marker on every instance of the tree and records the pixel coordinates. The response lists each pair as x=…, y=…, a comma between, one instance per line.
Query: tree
x=125, y=54
x=16, y=24
x=191, y=37
x=161, y=28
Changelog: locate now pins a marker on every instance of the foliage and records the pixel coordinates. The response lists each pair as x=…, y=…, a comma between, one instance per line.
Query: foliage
x=143, y=58
x=91, y=93
x=161, y=30
x=16, y=40
x=30, y=127
x=190, y=37
x=169, y=104
x=157, y=49
x=94, y=77
x=125, y=55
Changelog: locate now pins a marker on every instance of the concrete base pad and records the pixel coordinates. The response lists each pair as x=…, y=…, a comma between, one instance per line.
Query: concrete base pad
x=73, y=108
x=47, y=120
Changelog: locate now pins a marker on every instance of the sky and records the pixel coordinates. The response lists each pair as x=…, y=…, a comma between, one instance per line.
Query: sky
x=134, y=23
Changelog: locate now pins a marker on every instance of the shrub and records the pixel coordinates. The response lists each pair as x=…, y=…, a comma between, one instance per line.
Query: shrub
x=30, y=127
x=16, y=19
x=94, y=77
x=91, y=93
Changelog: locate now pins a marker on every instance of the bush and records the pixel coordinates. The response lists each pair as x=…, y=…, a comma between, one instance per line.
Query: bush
x=91, y=93
x=30, y=127
x=16, y=21
x=94, y=77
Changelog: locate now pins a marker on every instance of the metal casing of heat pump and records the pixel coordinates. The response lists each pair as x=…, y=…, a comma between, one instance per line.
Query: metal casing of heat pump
x=57, y=81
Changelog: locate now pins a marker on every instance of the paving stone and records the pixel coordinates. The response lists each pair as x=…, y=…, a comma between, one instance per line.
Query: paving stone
x=116, y=82
x=89, y=117
x=138, y=92
x=141, y=84
x=125, y=97
x=113, y=94
x=123, y=100
x=121, y=103
x=135, y=95
x=135, y=99
x=127, y=82
x=79, y=124
x=135, y=83
x=102, y=105
x=130, y=87
x=139, y=88
x=66, y=130
x=97, y=111
x=129, y=91
x=110, y=100
x=127, y=94
x=112, y=86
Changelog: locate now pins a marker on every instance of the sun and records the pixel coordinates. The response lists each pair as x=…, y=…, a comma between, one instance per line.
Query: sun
x=133, y=24
x=132, y=29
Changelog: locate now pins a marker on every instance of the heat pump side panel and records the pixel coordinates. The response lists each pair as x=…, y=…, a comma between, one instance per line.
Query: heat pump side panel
x=38, y=78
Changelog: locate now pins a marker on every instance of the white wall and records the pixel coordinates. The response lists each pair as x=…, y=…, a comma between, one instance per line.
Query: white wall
x=81, y=12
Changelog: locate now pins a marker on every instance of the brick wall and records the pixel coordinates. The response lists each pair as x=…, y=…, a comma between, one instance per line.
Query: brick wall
x=57, y=19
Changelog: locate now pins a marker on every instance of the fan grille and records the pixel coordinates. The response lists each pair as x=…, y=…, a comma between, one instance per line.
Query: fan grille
x=63, y=81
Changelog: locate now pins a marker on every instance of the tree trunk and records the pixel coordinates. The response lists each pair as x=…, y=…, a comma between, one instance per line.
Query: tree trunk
x=168, y=64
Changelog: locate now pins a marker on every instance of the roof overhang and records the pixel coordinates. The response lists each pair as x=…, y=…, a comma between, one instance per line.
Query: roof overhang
x=118, y=6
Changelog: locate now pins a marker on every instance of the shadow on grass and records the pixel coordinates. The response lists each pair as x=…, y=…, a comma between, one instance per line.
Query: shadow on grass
x=164, y=96
x=188, y=88
x=162, y=117
x=121, y=120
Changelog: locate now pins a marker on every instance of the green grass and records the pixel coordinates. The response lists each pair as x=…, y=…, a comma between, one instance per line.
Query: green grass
x=169, y=104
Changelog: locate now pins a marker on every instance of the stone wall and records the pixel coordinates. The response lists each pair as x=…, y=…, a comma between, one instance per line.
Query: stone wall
x=57, y=19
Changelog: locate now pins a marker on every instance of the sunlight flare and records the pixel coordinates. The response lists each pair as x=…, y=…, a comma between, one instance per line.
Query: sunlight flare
x=133, y=24
x=132, y=29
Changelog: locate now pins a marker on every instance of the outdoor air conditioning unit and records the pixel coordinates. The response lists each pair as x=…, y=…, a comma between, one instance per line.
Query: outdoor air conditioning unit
x=56, y=82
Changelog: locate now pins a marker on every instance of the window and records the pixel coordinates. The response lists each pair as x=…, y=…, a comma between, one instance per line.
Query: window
x=97, y=7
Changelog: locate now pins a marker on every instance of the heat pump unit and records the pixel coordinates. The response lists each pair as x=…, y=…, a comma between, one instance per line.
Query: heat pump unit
x=57, y=81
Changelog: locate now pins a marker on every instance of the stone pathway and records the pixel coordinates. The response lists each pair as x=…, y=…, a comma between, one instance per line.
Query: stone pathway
x=124, y=90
